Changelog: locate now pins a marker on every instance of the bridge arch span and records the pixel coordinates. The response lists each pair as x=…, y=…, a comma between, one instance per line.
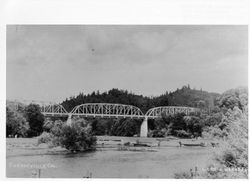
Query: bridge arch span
x=53, y=110
x=157, y=112
x=107, y=110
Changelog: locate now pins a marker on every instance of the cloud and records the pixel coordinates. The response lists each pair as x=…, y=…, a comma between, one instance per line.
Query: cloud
x=87, y=57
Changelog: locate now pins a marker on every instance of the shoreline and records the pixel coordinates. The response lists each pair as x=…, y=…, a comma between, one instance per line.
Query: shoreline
x=28, y=146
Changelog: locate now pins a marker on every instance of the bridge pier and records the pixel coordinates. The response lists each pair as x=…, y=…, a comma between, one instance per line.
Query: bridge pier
x=144, y=127
x=69, y=120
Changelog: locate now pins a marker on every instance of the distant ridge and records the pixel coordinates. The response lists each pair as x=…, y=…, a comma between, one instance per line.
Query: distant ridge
x=181, y=97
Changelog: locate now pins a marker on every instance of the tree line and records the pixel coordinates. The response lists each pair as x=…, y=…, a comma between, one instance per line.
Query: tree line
x=181, y=97
x=28, y=120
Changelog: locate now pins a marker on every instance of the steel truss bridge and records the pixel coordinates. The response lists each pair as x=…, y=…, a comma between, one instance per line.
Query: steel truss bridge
x=109, y=110
x=114, y=111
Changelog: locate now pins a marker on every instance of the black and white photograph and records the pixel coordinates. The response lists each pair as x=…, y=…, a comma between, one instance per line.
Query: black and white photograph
x=126, y=101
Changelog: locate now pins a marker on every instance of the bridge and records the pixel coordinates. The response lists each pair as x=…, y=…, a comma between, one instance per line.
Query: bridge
x=109, y=110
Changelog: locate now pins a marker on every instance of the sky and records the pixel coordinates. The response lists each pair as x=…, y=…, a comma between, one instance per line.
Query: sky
x=54, y=62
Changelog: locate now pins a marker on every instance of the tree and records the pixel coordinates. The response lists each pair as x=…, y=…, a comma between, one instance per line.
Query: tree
x=237, y=139
x=213, y=119
x=233, y=128
x=35, y=119
x=76, y=137
x=178, y=122
x=126, y=127
x=194, y=125
x=201, y=104
x=234, y=98
x=100, y=126
x=16, y=123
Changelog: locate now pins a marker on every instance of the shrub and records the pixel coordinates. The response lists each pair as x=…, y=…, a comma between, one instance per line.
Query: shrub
x=76, y=138
x=214, y=133
x=48, y=124
x=45, y=137
x=213, y=119
x=182, y=134
x=156, y=133
x=183, y=175
x=228, y=158
x=57, y=128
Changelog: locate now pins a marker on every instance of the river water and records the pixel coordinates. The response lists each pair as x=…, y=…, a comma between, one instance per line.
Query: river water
x=157, y=162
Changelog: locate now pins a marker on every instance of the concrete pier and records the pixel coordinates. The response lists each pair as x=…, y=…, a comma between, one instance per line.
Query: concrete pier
x=69, y=120
x=144, y=127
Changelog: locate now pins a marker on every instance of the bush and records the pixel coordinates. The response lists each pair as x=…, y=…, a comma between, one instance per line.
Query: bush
x=213, y=119
x=157, y=133
x=182, y=134
x=214, y=133
x=76, y=138
x=183, y=175
x=228, y=158
x=45, y=137
x=57, y=128
x=48, y=124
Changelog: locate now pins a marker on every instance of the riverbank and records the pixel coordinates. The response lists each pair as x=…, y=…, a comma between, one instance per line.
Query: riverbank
x=29, y=146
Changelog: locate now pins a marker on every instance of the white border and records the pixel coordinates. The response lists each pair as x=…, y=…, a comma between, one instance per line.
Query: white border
x=217, y=12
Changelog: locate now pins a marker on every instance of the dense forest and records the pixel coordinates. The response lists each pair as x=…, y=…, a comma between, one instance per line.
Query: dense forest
x=181, y=97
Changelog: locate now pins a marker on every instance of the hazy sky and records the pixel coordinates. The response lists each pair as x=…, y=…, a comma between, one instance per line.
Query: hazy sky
x=51, y=63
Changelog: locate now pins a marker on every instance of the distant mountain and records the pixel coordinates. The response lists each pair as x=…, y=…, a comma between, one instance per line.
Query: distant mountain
x=181, y=97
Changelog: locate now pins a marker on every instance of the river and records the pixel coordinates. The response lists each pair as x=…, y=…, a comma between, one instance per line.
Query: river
x=106, y=162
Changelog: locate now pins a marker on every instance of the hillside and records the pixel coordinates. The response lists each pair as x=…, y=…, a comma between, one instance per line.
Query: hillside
x=181, y=97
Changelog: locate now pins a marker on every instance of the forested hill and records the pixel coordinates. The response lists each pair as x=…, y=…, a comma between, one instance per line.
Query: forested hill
x=181, y=97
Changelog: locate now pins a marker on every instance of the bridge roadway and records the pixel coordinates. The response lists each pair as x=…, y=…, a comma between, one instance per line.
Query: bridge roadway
x=108, y=110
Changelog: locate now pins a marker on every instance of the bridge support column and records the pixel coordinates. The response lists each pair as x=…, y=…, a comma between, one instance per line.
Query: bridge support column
x=69, y=120
x=144, y=128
